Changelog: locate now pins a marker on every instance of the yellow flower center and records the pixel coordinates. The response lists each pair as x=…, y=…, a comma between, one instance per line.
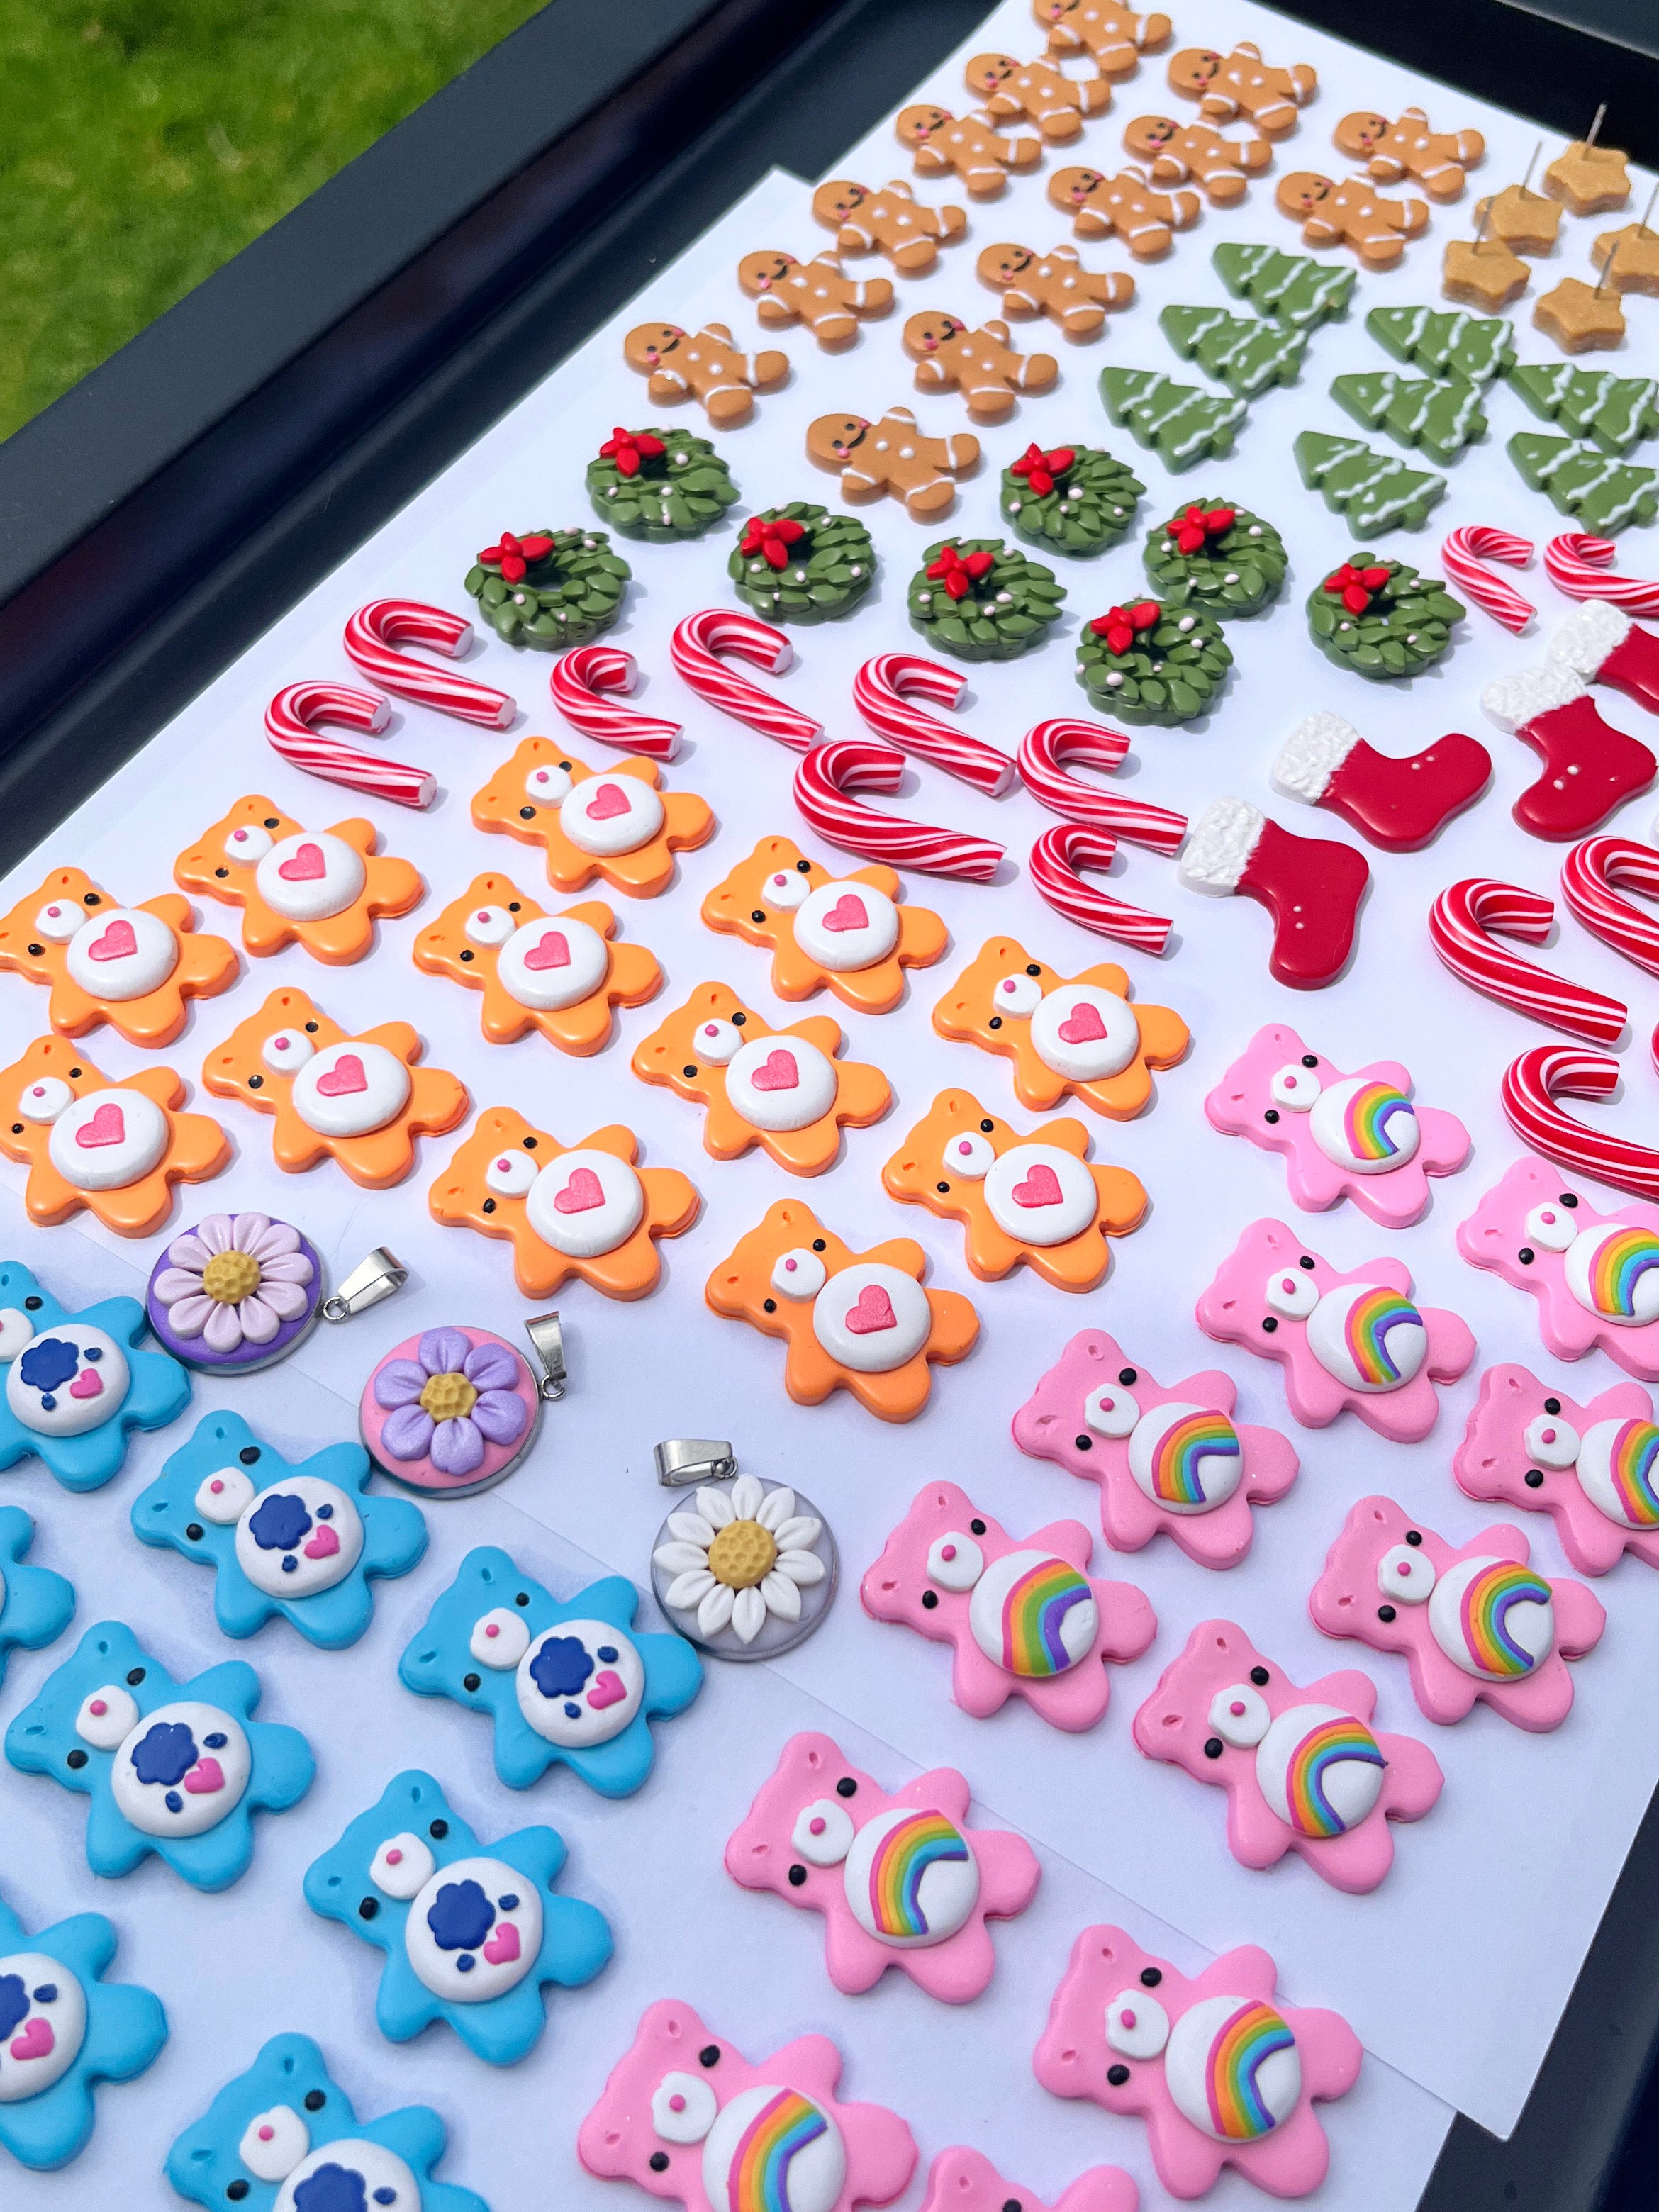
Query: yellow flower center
x=230, y=1277
x=742, y=1554
x=449, y=1397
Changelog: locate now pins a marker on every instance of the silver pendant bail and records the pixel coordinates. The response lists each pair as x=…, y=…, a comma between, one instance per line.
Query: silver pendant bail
x=372, y=1279
x=546, y=1335
x=681, y=1461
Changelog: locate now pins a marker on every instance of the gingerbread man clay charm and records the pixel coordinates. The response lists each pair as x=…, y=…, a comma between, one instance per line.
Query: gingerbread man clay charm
x=783, y=1090
x=893, y=456
x=1594, y=1468
x=611, y=823
x=812, y=292
x=1056, y=284
x=1175, y=152
x=702, y=365
x=980, y=364
x=851, y=1321
x=1240, y=83
x=942, y=143
x=854, y=935
x=892, y=221
x=558, y=974
x=132, y=967
x=1110, y=34
x=1393, y=151
x=1350, y=214
x=321, y=889
x=1055, y=103
x=1124, y=207
x=358, y=1100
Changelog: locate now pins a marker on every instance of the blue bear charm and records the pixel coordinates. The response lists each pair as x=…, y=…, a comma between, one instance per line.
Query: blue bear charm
x=62, y=2028
x=569, y=1682
x=177, y=1768
x=73, y=1384
x=470, y=1935
x=285, y=2122
x=300, y=1539
x=35, y=1604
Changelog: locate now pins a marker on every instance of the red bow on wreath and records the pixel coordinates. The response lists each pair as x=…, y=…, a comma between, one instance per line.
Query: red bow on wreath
x=959, y=573
x=628, y=448
x=1193, y=524
x=1354, y=585
x=1042, y=471
x=514, y=555
x=770, y=539
x=1119, y=625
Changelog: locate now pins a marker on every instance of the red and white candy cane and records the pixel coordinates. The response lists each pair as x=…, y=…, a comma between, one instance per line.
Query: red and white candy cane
x=577, y=678
x=1055, y=859
x=1588, y=876
x=1578, y=565
x=373, y=635
x=291, y=724
x=1043, y=752
x=694, y=647
x=1532, y=1085
x=1461, y=554
x=1459, y=922
x=840, y=765
x=882, y=692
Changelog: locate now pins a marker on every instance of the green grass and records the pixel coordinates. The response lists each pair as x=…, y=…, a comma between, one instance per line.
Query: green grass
x=144, y=142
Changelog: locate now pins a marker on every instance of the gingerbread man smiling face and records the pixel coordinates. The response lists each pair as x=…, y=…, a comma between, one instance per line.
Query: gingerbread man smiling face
x=558, y=974
x=853, y=934
x=132, y=967
x=610, y=823
x=320, y=888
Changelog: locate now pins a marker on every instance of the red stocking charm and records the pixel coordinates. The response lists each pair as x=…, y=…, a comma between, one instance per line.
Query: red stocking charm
x=1602, y=644
x=1311, y=886
x=1399, y=805
x=1589, y=767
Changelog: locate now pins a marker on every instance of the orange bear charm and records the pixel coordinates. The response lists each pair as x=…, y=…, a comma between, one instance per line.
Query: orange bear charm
x=357, y=1100
x=1124, y=206
x=892, y=221
x=611, y=823
x=321, y=889
x=1080, y=1037
x=583, y=1210
x=1350, y=214
x=941, y=143
x=1055, y=102
x=1240, y=83
x=558, y=974
x=854, y=935
x=1393, y=151
x=980, y=364
x=783, y=1090
x=702, y=365
x=851, y=1320
x=812, y=292
x=132, y=967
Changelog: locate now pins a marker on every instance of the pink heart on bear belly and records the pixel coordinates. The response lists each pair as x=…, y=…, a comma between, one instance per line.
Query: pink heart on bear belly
x=1083, y=1025
x=607, y=802
x=873, y=1311
x=205, y=1778
x=119, y=942
x=307, y=866
x=36, y=2041
x=609, y=1689
x=86, y=1384
x=777, y=1072
x=323, y=1542
x=343, y=1078
x=848, y=912
x=108, y=1127
x=502, y=1948
x=580, y=1195
x=552, y=951
x=1040, y=1187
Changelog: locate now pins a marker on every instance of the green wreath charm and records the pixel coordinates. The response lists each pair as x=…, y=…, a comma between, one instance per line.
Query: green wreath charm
x=1076, y=499
x=1150, y=663
x=800, y=563
x=1381, y=618
x=1222, y=558
x=552, y=588
x=660, y=485
x=982, y=600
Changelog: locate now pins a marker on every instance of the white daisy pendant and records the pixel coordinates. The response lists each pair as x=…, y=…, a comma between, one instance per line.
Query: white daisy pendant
x=747, y=1571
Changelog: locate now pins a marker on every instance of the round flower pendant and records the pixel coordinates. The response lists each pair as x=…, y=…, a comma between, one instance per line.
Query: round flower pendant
x=451, y=1411
x=744, y=1569
x=235, y=1292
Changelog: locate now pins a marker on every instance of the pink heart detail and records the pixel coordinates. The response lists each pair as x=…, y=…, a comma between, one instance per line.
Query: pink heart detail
x=580, y=1195
x=873, y=1311
x=502, y=1948
x=609, y=1689
x=1083, y=1025
x=1040, y=1187
x=205, y=1778
x=848, y=912
x=553, y=952
x=86, y=1384
x=37, y=2040
x=778, y=1072
x=307, y=866
x=323, y=1542
x=108, y=1126
x=119, y=942
x=342, y=1079
x=607, y=802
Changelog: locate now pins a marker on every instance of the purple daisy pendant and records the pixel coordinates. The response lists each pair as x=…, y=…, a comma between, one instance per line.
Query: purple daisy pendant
x=452, y=1411
x=236, y=1292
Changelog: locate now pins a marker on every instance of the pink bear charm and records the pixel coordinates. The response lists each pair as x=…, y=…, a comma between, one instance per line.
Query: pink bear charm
x=1595, y=1467
x=1301, y=1768
x=1221, y=2073
x=685, y=2116
x=1343, y=1136
x=1353, y=1339
x=1595, y=1276
x=1170, y=1459
x=963, y=2180
x=1027, y=1618
x=1473, y=1621
x=900, y=1880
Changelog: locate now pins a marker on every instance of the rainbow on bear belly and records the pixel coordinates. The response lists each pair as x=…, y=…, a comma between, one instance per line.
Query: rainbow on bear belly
x=1033, y=1615
x=1188, y=1459
x=911, y=1879
x=773, y=2149
x=1320, y=1769
x=1368, y=1336
x=1233, y=2069
x=1613, y=1271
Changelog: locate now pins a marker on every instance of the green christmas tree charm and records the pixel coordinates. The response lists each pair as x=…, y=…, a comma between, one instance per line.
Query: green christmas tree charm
x=1178, y=422
x=982, y=600
x=1076, y=499
x=660, y=485
x=1149, y=663
x=1417, y=411
x=1247, y=354
x=1604, y=493
x=1445, y=340
x=1593, y=403
x=1221, y=558
x=1287, y=286
x=552, y=588
x=1373, y=490
x=1382, y=619
x=800, y=563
